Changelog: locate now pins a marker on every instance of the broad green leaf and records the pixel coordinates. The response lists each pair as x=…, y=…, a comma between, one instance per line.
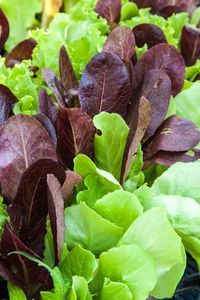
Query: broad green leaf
x=49, y=253
x=15, y=293
x=129, y=10
x=192, y=246
x=144, y=193
x=98, y=182
x=119, y=207
x=132, y=266
x=153, y=233
x=109, y=146
x=183, y=213
x=192, y=71
x=187, y=102
x=79, y=289
x=21, y=17
x=78, y=262
x=115, y=291
x=49, y=296
x=195, y=16
x=3, y=216
x=88, y=229
x=180, y=179
x=136, y=176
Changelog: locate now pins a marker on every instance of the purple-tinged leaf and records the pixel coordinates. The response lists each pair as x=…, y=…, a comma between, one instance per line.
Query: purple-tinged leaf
x=75, y=130
x=46, y=123
x=145, y=3
x=72, y=178
x=190, y=45
x=168, y=11
x=105, y=85
x=56, y=214
x=129, y=66
x=141, y=118
x=4, y=29
x=108, y=9
x=157, y=88
x=169, y=158
x=5, y=273
x=166, y=58
x=56, y=86
x=23, y=140
x=7, y=100
x=121, y=41
x=175, y=134
x=27, y=271
x=47, y=107
x=67, y=73
x=22, y=51
x=149, y=34
x=32, y=197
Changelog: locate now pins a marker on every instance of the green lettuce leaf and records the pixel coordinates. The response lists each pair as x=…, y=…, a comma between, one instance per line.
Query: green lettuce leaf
x=21, y=17
x=90, y=230
x=180, y=179
x=132, y=266
x=15, y=293
x=187, y=103
x=153, y=233
x=3, y=215
x=49, y=253
x=109, y=146
x=119, y=207
x=79, y=289
x=78, y=262
x=115, y=291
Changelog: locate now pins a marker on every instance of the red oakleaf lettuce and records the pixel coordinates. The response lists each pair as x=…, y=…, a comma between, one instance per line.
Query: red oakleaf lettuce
x=47, y=107
x=75, y=130
x=149, y=34
x=23, y=140
x=175, y=134
x=190, y=45
x=7, y=101
x=56, y=214
x=165, y=58
x=4, y=29
x=121, y=41
x=108, y=9
x=105, y=85
x=22, y=51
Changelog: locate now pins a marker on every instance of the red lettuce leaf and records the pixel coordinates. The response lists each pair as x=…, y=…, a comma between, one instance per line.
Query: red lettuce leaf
x=190, y=45
x=72, y=178
x=169, y=158
x=4, y=29
x=31, y=203
x=108, y=9
x=149, y=34
x=47, y=107
x=46, y=123
x=75, y=130
x=141, y=117
x=27, y=271
x=56, y=86
x=169, y=10
x=23, y=140
x=157, y=88
x=7, y=101
x=67, y=74
x=166, y=58
x=6, y=274
x=175, y=134
x=56, y=214
x=22, y=51
x=105, y=85
x=121, y=41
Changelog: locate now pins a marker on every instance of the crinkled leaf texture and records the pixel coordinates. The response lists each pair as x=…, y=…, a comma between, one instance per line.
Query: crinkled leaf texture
x=152, y=232
x=105, y=85
x=23, y=140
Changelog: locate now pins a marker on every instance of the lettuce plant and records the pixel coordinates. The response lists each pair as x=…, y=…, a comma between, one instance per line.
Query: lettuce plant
x=98, y=87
